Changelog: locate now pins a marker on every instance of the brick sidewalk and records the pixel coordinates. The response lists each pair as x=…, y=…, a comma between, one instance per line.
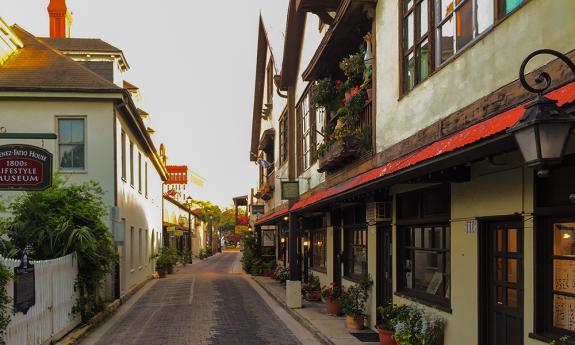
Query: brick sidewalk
x=329, y=328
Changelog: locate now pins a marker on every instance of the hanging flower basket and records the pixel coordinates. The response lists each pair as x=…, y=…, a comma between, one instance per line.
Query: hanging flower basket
x=339, y=154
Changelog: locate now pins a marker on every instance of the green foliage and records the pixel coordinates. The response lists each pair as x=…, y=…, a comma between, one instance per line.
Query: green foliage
x=5, y=301
x=250, y=259
x=165, y=257
x=353, y=67
x=61, y=220
x=326, y=94
x=313, y=284
x=564, y=340
x=281, y=274
x=413, y=324
x=331, y=292
x=389, y=314
x=354, y=299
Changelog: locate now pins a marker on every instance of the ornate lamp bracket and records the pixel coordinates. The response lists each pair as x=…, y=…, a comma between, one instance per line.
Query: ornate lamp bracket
x=543, y=77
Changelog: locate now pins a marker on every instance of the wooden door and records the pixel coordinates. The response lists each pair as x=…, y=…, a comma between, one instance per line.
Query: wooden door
x=502, y=290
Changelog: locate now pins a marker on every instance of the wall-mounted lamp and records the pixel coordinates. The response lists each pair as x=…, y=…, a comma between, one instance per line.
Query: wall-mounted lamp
x=544, y=129
x=566, y=236
x=283, y=240
x=319, y=243
x=305, y=243
x=286, y=218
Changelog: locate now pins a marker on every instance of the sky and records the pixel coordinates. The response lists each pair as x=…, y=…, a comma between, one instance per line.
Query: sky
x=194, y=62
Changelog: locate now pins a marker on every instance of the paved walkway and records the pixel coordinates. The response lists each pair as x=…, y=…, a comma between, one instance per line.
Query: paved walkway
x=208, y=303
x=330, y=328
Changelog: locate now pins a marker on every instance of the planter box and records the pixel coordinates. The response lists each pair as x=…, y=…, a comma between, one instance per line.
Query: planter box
x=339, y=154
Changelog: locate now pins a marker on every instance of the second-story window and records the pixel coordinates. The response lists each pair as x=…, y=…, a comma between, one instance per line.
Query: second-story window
x=71, y=140
x=131, y=163
x=123, y=153
x=283, y=138
x=432, y=31
x=306, y=134
x=416, y=42
x=140, y=172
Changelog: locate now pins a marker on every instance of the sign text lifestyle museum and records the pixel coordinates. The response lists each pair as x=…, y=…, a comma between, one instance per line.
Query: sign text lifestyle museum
x=25, y=167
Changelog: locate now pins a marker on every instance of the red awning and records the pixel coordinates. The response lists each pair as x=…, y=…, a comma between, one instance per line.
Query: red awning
x=463, y=138
x=271, y=216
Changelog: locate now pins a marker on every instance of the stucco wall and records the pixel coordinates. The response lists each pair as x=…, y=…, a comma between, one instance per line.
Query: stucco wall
x=491, y=63
x=40, y=116
x=139, y=212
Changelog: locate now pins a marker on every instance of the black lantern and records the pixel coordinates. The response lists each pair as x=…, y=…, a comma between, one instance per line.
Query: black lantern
x=544, y=130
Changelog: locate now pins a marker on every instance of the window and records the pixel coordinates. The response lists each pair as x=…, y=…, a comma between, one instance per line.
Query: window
x=140, y=172
x=140, y=246
x=131, y=163
x=123, y=153
x=416, y=42
x=283, y=138
x=306, y=134
x=71, y=143
x=318, y=250
x=432, y=31
x=270, y=82
x=146, y=178
x=426, y=259
x=132, y=249
x=356, y=251
x=423, y=245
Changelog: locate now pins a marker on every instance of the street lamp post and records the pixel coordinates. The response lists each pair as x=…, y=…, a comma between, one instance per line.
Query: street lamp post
x=544, y=129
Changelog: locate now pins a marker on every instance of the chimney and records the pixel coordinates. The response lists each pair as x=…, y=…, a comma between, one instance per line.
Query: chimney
x=59, y=19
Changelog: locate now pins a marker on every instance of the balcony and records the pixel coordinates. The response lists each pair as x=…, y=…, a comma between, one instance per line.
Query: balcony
x=350, y=147
x=267, y=186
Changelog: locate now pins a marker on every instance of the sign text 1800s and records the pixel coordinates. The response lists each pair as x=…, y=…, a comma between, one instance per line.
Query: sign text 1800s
x=25, y=167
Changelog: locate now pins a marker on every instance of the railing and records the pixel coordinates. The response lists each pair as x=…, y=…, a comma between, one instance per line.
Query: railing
x=51, y=317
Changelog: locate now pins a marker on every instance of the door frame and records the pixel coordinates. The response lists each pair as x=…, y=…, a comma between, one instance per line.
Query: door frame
x=484, y=271
x=384, y=261
x=337, y=259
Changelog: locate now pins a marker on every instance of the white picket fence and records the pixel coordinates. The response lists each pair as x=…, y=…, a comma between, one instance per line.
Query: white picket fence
x=51, y=317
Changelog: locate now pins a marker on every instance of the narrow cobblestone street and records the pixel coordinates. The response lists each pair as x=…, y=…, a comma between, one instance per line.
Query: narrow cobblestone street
x=204, y=303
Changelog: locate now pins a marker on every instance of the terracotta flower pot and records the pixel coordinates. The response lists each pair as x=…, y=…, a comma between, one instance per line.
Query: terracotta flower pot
x=354, y=323
x=332, y=307
x=313, y=296
x=386, y=337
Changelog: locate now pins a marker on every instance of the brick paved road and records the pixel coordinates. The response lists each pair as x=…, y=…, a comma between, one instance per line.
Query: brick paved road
x=203, y=304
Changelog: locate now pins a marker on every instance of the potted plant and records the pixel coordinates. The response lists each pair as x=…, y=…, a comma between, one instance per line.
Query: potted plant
x=354, y=301
x=431, y=330
x=202, y=254
x=312, y=289
x=564, y=340
x=281, y=274
x=268, y=268
x=331, y=295
x=164, y=261
x=389, y=314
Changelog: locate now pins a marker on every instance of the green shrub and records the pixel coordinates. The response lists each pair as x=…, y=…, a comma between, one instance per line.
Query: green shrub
x=6, y=310
x=61, y=220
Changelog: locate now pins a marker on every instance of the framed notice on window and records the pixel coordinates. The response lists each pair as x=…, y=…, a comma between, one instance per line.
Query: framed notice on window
x=290, y=190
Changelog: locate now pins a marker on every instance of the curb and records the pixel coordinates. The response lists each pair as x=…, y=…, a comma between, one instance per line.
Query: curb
x=303, y=321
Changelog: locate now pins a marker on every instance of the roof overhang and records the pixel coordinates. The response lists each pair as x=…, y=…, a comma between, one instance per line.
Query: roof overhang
x=259, y=89
x=241, y=200
x=353, y=21
x=321, y=8
x=295, y=27
x=267, y=139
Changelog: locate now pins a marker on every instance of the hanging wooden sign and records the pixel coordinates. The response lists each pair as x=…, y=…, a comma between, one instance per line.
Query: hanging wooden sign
x=25, y=168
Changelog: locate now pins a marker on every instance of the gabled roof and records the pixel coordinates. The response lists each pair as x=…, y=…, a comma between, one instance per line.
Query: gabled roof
x=38, y=67
x=86, y=47
x=295, y=26
x=80, y=45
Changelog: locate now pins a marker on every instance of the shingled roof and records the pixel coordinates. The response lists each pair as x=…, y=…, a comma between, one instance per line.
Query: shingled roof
x=38, y=67
x=80, y=45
